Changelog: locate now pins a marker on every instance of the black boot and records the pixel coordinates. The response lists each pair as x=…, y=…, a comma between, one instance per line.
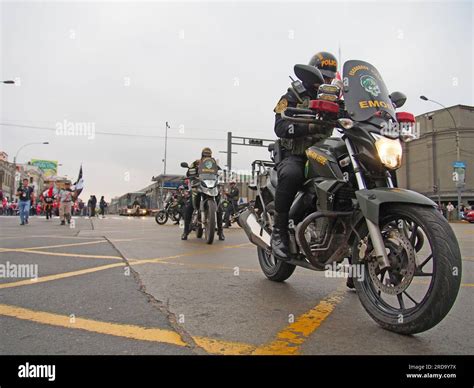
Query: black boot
x=184, y=236
x=220, y=233
x=280, y=239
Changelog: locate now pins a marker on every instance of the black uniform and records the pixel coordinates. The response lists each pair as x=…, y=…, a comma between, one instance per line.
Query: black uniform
x=295, y=138
x=233, y=198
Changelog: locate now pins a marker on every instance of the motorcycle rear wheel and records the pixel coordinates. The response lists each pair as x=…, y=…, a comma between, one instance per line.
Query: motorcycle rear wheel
x=274, y=270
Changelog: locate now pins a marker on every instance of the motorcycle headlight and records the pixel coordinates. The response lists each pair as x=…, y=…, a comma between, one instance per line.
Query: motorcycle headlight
x=389, y=150
x=209, y=183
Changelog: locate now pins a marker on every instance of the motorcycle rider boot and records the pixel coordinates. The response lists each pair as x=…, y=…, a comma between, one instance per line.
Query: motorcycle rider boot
x=220, y=233
x=280, y=239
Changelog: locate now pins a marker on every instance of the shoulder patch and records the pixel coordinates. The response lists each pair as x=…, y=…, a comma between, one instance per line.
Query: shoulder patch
x=281, y=106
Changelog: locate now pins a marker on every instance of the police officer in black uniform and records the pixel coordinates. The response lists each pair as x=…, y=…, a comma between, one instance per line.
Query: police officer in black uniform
x=294, y=140
x=189, y=206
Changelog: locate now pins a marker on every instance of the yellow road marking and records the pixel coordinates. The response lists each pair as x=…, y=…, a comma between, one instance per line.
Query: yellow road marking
x=289, y=340
x=214, y=346
x=52, y=246
x=37, y=252
x=135, y=332
x=63, y=275
x=115, y=329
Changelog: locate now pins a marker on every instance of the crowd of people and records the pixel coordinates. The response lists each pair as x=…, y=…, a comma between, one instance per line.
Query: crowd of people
x=53, y=202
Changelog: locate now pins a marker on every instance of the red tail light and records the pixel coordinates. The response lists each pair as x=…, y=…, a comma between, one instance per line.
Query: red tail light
x=324, y=106
x=405, y=117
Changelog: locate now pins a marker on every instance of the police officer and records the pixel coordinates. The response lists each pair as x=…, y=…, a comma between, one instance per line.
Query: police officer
x=189, y=206
x=294, y=140
x=233, y=198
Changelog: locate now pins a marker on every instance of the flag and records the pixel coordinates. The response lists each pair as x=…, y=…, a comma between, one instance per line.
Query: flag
x=79, y=184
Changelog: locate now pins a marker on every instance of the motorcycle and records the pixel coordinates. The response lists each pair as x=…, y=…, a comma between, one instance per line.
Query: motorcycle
x=172, y=210
x=235, y=214
x=404, y=259
x=205, y=192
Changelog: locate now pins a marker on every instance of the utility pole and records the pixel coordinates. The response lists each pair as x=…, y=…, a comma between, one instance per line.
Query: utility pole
x=242, y=141
x=166, y=146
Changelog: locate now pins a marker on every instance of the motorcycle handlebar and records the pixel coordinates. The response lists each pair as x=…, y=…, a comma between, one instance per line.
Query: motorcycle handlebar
x=306, y=120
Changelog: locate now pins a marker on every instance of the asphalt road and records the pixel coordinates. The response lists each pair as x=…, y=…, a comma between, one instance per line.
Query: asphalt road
x=128, y=286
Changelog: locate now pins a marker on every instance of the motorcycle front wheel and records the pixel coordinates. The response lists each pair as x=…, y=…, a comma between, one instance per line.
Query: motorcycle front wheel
x=419, y=288
x=210, y=222
x=161, y=217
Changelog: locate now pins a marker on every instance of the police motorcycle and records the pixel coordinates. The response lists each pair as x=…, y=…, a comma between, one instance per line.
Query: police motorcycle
x=172, y=210
x=404, y=259
x=205, y=191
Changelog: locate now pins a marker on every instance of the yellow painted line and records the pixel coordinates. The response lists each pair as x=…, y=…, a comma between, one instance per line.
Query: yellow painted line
x=52, y=246
x=58, y=276
x=114, y=329
x=46, y=253
x=214, y=346
x=129, y=331
x=289, y=340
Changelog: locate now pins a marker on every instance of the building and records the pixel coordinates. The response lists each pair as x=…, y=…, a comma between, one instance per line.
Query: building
x=7, y=178
x=428, y=161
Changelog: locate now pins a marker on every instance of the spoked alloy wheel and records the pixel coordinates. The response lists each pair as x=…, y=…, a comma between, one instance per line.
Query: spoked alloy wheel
x=419, y=288
x=275, y=270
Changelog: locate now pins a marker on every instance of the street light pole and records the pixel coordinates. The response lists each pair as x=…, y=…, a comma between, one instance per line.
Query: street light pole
x=166, y=145
x=458, y=151
x=14, y=165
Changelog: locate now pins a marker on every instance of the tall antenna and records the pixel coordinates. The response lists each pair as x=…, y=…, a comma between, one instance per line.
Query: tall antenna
x=339, y=59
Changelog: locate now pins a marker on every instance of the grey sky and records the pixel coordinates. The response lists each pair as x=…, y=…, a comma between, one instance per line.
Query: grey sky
x=206, y=68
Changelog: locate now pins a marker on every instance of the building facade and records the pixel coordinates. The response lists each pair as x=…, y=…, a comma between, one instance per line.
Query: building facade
x=428, y=161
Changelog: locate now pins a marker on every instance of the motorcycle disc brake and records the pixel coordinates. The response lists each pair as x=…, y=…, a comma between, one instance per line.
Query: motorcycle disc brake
x=398, y=277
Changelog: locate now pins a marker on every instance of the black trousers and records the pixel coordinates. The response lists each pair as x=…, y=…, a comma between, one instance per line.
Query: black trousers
x=290, y=179
x=188, y=213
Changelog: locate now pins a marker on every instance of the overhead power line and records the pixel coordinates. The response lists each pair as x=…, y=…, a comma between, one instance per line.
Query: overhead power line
x=118, y=134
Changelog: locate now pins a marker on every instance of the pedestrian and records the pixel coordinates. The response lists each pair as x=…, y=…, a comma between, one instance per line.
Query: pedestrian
x=102, y=205
x=65, y=198
x=26, y=194
x=450, y=210
x=48, y=199
x=92, y=205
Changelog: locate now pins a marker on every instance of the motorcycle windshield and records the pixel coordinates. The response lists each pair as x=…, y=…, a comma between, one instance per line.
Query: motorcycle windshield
x=208, y=166
x=365, y=92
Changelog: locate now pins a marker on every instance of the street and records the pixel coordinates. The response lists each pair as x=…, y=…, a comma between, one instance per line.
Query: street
x=124, y=285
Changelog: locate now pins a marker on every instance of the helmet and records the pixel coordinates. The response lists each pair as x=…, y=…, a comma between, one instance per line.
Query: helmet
x=206, y=152
x=326, y=63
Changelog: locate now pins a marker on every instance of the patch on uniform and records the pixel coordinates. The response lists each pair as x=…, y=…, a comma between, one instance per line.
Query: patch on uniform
x=281, y=106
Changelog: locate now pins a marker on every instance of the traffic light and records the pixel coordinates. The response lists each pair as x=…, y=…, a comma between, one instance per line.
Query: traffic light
x=256, y=142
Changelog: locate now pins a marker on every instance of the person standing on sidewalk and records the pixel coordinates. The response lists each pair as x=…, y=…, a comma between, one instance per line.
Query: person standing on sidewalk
x=450, y=210
x=65, y=197
x=26, y=195
x=102, y=206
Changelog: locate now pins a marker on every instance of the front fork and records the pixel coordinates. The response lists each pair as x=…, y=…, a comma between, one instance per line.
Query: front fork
x=374, y=230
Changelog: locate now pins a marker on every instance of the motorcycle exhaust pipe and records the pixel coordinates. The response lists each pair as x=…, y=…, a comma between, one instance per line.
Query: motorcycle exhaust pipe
x=253, y=230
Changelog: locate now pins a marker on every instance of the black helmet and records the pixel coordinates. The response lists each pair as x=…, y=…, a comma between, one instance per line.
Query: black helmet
x=206, y=152
x=326, y=63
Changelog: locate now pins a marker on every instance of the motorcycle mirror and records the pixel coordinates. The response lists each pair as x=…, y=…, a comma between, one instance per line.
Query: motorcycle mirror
x=398, y=98
x=309, y=75
x=184, y=165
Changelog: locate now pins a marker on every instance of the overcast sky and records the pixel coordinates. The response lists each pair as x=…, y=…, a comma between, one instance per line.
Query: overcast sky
x=206, y=68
